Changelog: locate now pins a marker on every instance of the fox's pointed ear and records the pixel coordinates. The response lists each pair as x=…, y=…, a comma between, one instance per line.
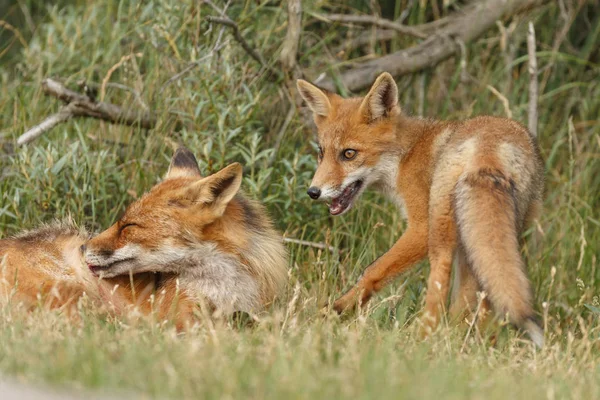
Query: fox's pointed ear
x=382, y=99
x=216, y=190
x=183, y=164
x=315, y=98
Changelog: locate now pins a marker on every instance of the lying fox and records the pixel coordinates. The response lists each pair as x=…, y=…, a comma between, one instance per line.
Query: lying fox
x=190, y=239
x=467, y=189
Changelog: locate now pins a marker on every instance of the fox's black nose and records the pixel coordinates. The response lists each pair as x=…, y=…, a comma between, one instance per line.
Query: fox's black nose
x=314, y=192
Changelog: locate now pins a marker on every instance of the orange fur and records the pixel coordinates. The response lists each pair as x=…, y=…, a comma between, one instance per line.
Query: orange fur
x=190, y=240
x=466, y=187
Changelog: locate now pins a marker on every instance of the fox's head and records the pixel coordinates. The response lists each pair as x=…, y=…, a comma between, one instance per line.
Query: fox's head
x=175, y=215
x=357, y=141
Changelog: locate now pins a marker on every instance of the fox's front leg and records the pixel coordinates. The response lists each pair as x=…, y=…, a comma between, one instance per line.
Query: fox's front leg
x=407, y=251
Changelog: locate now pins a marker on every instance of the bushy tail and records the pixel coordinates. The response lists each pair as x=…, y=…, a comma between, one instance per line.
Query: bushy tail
x=487, y=223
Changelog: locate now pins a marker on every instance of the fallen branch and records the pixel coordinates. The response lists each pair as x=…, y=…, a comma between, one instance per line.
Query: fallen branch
x=372, y=20
x=382, y=34
x=81, y=105
x=533, y=82
x=465, y=27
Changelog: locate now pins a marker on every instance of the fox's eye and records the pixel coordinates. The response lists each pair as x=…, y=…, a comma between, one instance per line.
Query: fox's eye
x=349, y=154
x=320, y=153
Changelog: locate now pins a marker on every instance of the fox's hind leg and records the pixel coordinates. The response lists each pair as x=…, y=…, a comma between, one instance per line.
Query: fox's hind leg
x=463, y=300
x=442, y=246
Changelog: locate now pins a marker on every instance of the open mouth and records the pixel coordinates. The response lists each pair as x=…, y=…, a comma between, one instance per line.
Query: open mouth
x=344, y=201
x=96, y=269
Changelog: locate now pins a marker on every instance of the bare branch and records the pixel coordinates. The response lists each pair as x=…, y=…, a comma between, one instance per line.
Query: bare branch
x=533, y=81
x=465, y=26
x=503, y=99
x=289, y=51
x=93, y=86
x=372, y=20
x=63, y=115
x=316, y=245
x=80, y=105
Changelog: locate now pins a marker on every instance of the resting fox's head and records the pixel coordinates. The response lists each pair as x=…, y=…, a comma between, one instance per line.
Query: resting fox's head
x=357, y=141
x=175, y=215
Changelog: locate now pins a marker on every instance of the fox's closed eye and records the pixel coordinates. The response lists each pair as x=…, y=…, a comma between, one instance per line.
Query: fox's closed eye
x=128, y=225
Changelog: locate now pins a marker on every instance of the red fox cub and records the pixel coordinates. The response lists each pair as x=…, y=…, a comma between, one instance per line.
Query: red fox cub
x=467, y=190
x=190, y=239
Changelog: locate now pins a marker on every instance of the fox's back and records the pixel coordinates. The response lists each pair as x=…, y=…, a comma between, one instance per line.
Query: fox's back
x=499, y=148
x=35, y=261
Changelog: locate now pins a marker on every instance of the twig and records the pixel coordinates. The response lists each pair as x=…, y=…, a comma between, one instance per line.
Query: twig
x=16, y=33
x=316, y=245
x=372, y=20
x=503, y=99
x=80, y=105
x=63, y=115
x=113, y=69
x=533, y=81
x=289, y=50
x=406, y=12
x=466, y=26
x=94, y=87
x=240, y=39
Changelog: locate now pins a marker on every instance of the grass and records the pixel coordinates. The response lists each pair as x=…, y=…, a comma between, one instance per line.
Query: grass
x=225, y=110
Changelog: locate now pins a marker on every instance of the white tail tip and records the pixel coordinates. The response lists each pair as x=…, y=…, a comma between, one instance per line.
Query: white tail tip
x=535, y=332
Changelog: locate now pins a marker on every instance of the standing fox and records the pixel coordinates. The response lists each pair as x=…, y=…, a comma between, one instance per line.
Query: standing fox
x=190, y=240
x=467, y=189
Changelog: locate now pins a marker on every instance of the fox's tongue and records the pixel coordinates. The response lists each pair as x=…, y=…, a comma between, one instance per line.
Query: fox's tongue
x=343, y=201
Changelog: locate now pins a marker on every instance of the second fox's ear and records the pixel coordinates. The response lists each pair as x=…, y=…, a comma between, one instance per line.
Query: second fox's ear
x=315, y=98
x=382, y=99
x=216, y=190
x=183, y=164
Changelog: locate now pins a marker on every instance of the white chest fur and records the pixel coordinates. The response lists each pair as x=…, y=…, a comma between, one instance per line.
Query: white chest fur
x=387, y=181
x=221, y=279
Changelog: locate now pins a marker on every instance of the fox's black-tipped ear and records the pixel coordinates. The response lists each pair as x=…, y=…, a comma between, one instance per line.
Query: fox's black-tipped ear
x=382, y=99
x=183, y=164
x=315, y=98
